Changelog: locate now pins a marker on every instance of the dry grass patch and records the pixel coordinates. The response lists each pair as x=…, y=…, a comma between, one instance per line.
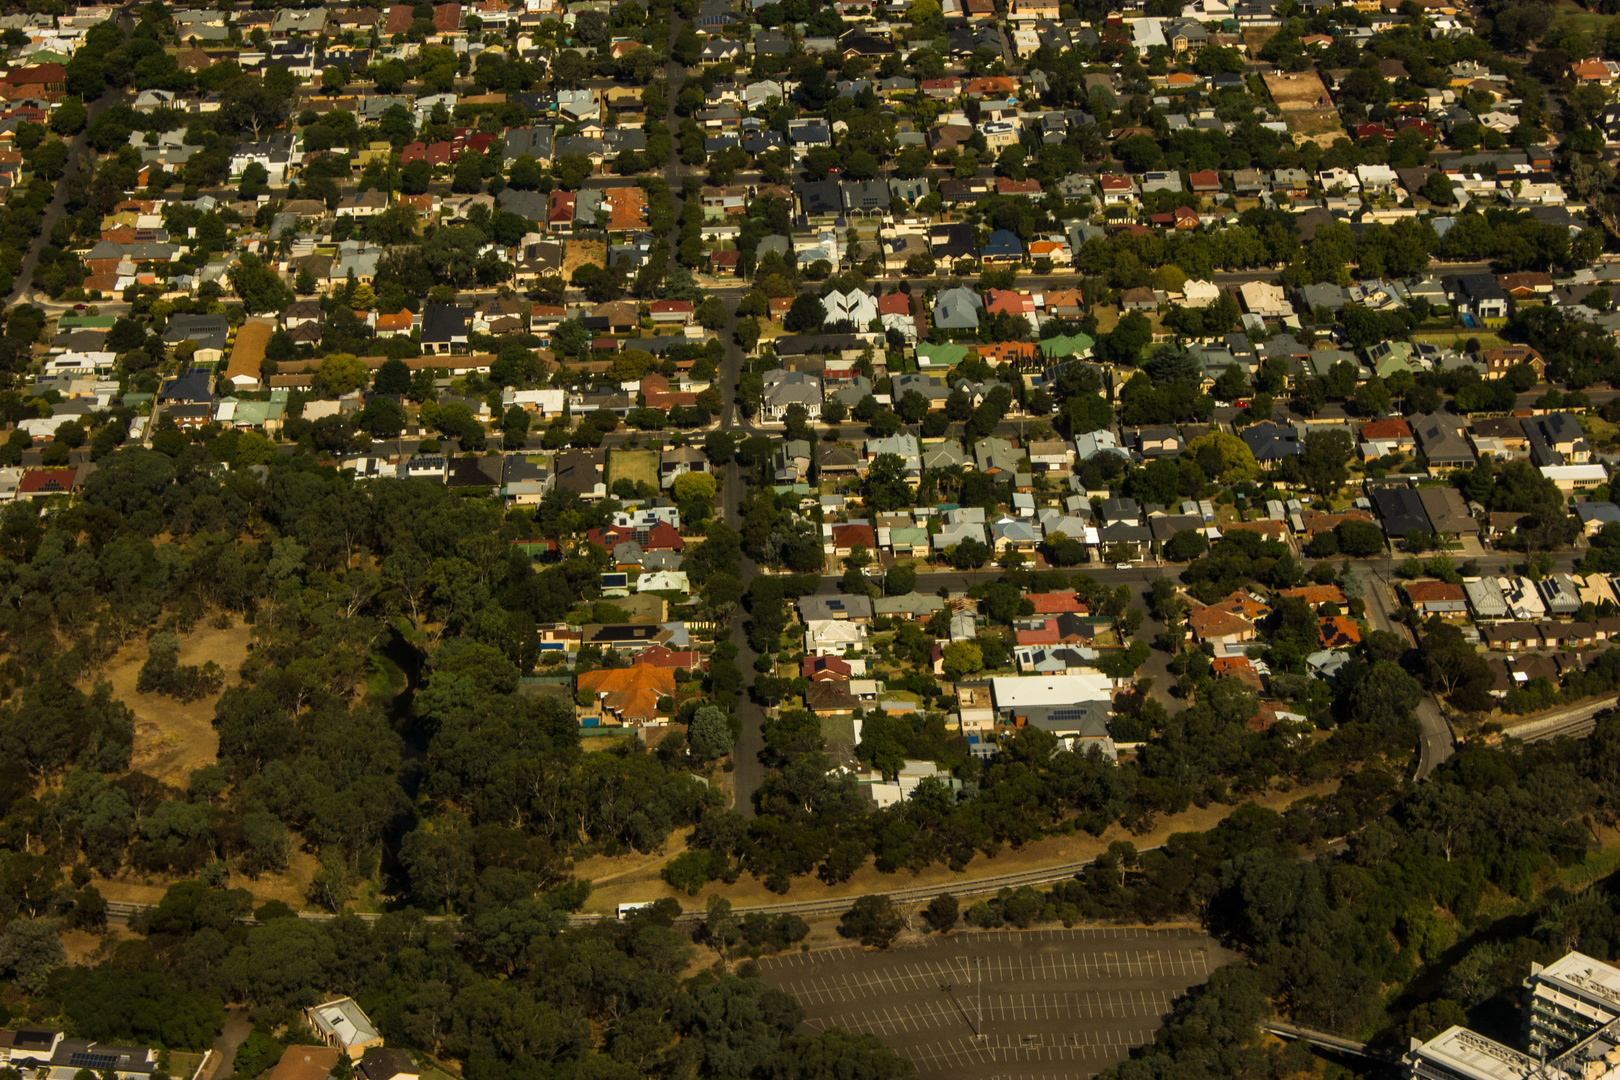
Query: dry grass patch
x=1298, y=91
x=171, y=738
x=576, y=253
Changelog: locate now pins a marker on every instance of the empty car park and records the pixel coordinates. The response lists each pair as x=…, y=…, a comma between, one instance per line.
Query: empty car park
x=1059, y=1004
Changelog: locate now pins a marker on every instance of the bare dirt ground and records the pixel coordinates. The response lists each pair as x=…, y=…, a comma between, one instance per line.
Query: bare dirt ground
x=1255, y=38
x=630, y=879
x=86, y=948
x=576, y=253
x=172, y=739
x=1320, y=126
x=1298, y=91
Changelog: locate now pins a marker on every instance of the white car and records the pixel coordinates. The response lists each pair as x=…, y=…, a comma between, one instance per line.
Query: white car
x=1122, y=566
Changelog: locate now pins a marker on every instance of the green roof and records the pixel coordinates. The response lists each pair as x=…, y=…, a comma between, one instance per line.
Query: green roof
x=839, y=729
x=253, y=413
x=1066, y=345
x=85, y=322
x=943, y=355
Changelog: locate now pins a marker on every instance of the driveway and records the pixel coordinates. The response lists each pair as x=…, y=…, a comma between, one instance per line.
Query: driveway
x=231, y=1037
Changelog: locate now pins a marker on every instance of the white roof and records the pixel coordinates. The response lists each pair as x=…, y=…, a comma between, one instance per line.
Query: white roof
x=826, y=630
x=1580, y=974
x=1013, y=693
x=1575, y=472
x=1462, y=1053
x=663, y=581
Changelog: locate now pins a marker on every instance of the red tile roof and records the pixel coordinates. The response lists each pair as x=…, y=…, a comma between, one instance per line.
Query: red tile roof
x=1316, y=522
x=1392, y=428
x=447, y=18
x=38, y=75
x=627, y=208
x=1005, y=186
x=1236, y=667
x=1339, y=631
x=1007, y=352
x=663, y=656
x=1211, y=622
x=824, y=669
x=633, y=692
x=46, y=481
x=849, y=535
x=1056, y=603
x=1315, y=595
x=1046, y=635
x=400, y=17
x=993, y=84
x=1432, y=592
x=1009, y=301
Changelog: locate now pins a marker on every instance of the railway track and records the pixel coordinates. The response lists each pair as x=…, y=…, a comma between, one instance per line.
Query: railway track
x=124, y=911
x=1575, y=722
x=834, y=905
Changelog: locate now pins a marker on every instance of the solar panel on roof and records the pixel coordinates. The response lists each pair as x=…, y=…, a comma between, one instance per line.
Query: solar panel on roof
x=85, y=1059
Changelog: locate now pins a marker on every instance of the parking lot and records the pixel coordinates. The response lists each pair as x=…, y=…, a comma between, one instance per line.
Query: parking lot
x=1036, y=1005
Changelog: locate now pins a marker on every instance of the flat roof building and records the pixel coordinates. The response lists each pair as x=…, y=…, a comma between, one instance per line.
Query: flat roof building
x=1570, y=1028
x=1569, y=999
x=1459, y=1054
x=1014, y=697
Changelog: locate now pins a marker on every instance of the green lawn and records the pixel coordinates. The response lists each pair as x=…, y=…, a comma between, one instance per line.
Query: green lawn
x=1568, y=13
x=1598, y=864
x=1487, y=340
x=637, y=466
x=182, y=1066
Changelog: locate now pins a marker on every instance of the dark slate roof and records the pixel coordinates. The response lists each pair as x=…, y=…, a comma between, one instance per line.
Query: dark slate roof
x=1401, y=510
x=820, y=197
x=192, y=387
x=1271, y=442
x=441, y=322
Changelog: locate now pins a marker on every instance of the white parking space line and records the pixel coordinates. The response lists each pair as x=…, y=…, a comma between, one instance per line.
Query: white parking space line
x=957, y=1011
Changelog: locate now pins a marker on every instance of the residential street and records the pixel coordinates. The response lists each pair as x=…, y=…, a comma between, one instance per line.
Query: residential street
x=1377, y=578
x=57, y=208
x=748, y=773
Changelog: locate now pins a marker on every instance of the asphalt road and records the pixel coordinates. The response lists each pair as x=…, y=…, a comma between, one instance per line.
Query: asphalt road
x=1062, y=1004
x=1437, y=741
x=747, y=771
